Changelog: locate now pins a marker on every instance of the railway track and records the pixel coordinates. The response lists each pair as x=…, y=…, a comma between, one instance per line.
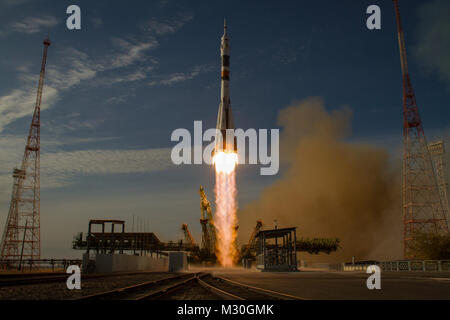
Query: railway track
x=144, y=290
x=190, y=286
x=20, y=280
x=233, y=290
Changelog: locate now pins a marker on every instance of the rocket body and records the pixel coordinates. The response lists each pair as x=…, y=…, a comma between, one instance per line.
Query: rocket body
x=224, y=116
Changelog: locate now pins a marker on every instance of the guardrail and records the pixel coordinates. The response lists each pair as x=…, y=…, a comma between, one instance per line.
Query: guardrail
x=401, y=265
x=38, y=264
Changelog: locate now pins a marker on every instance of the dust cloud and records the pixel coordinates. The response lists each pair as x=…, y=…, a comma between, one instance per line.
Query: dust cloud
x=331, y=187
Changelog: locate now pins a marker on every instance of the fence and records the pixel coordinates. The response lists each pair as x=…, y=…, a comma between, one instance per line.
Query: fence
x=38, y=264
x=401, y=265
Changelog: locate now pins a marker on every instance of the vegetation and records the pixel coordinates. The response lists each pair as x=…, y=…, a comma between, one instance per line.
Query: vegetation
x=431, y=246
x=318, y=245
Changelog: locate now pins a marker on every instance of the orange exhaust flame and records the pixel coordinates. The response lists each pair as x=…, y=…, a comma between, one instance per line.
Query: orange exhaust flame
x=225, y=162
x=225, y=218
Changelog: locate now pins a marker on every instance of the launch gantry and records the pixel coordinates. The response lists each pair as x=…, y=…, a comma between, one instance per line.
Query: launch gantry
x=207, y=223
x=187, y=235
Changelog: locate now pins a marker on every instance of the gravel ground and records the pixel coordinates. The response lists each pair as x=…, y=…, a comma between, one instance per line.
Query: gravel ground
x=59, y=291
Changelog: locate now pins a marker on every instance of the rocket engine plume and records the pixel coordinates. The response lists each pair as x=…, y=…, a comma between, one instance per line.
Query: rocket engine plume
x=225, y=160
x=225, y=218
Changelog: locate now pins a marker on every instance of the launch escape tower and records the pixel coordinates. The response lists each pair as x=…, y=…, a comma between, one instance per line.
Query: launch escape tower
x=423, y=209
x=22, y=236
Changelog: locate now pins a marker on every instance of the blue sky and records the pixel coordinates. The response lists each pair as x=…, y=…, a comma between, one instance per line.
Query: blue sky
x=137, y=70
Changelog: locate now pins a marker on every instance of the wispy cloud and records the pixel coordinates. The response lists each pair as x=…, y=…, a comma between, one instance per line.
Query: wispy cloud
x=164, y=27
x=176, y=77
x=31, y=25
x=95, y=162
x=136, y=75
x=70, y=72
x=19, y=103
x=72, y=67
x=59, y=167
x=119, y=99
x=130, y=51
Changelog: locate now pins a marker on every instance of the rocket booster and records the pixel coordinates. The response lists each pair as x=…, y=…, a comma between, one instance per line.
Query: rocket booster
x=225, y=117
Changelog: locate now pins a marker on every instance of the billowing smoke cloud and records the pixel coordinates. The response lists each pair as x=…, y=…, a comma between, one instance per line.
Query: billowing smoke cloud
x=330, y=187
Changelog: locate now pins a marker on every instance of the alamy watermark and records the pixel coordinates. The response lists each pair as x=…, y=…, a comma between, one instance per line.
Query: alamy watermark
x=74, y=280
x=73, y=21
x=191, y=151
x=374, y=280
x=374, y=20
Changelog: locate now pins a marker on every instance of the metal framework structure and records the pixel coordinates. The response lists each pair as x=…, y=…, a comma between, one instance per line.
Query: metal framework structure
x=437, y=151
x=276, y=250
x=105, y=241
x=187, y=235
x=250, y=246
x=21, y=237
x=110, y=241
x=207, y=223
x=422, y=205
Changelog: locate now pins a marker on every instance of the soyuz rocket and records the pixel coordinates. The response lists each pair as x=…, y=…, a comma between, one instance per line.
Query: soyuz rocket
x=224, y=116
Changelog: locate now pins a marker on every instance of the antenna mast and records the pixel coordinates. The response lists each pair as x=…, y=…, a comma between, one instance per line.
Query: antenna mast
x=21, y=238
x=423, y=210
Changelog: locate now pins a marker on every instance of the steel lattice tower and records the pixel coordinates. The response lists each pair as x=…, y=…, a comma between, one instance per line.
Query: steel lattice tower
x=437, y=151
x=422, y=205
x=22, y=236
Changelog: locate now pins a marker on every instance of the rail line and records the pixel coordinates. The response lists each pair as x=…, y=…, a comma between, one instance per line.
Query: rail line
x=143, y=290
x=220, y=288
x=233, y=290
x=21, y=280
x=274, y=294
x=213, y=287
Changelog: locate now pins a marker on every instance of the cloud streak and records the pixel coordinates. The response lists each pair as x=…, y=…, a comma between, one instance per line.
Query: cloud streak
x=176, y=77
x=32, y=25
x=73, y=67
x=98, y=162
x=154, y=26
x=59, y=167
x=20, y=102
x=132, y=51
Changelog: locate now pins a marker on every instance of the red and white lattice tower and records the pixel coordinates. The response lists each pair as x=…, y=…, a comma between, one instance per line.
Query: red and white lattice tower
x=423, y=209
x=22, y=235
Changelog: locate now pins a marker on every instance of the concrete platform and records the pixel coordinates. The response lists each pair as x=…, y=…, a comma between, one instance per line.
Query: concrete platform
x=106, y=263
x=345, y=285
